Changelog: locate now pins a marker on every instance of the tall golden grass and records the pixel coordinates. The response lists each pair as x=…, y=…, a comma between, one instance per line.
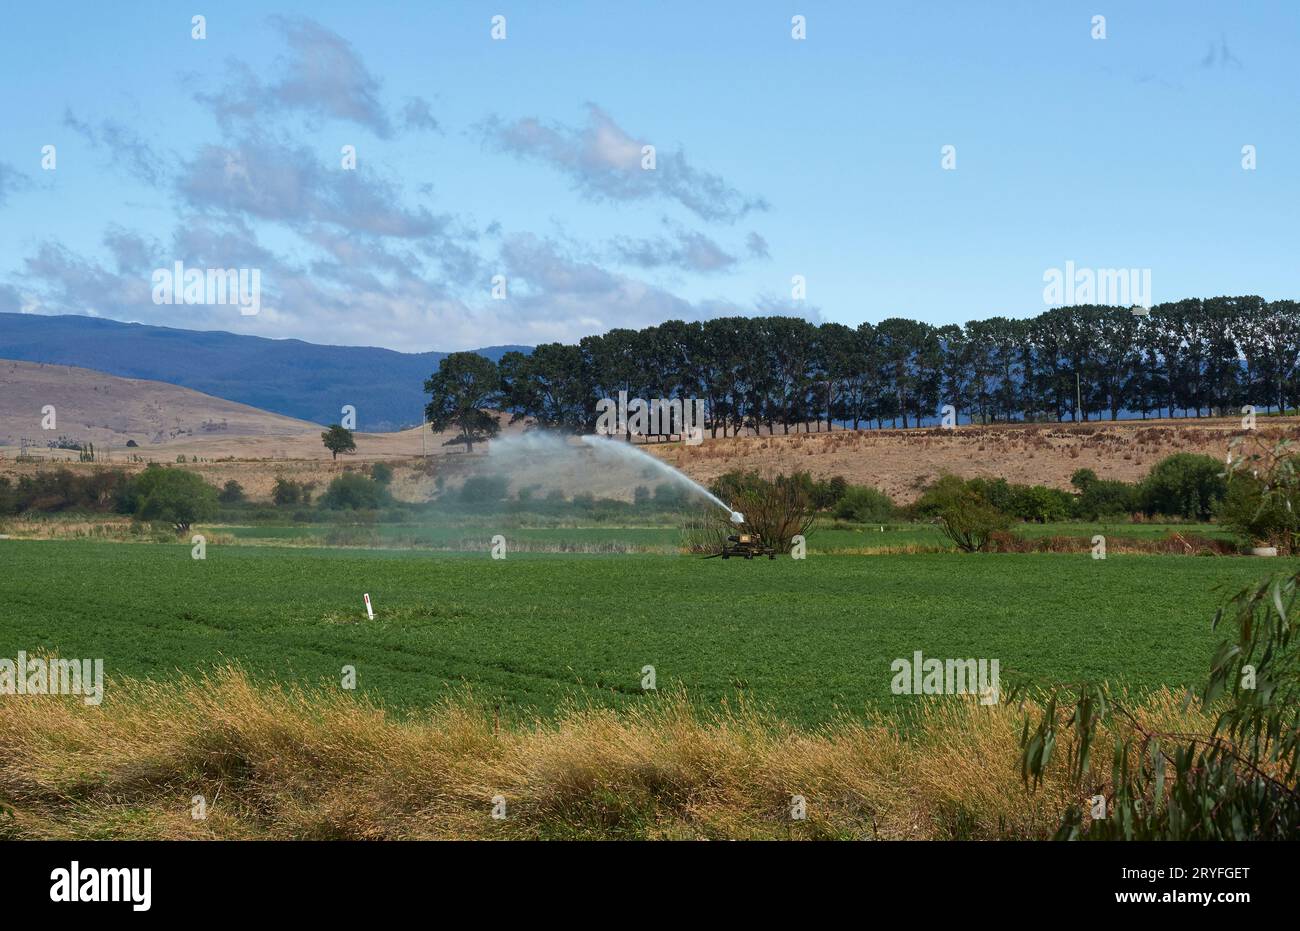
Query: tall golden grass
x=275, y=762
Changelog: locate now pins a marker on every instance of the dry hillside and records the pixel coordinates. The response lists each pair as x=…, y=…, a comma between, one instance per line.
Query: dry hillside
x=223, y=440
x=901, y=462
x=165, y=421
x=108, y=411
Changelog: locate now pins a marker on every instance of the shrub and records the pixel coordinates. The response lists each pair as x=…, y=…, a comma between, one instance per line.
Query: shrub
x=731, y=485
x=1262, y=506
x=827, y=494
x=231, y=493
x=174, y=496
x=940, y=495
x=382, y=473
x=777, y=508
x=1184, y=485
x=1038, y=503
x=63, y=490
x=286, y=492
x=1082, y=478
x=1103, y=498
x=864, y=505
x=667, y=496
x=484, y=489
x=777, y=511
x=995, y=492
x=355, y=492
x=969, y=521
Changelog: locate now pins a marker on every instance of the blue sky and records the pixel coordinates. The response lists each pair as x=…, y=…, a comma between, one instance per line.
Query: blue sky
x=775, y=157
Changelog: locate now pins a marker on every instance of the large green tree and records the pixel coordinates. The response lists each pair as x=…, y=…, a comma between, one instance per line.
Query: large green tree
x=339, y=439
x=550, y=386
x=1068, y=363
x=172, y=496
x=464, y=393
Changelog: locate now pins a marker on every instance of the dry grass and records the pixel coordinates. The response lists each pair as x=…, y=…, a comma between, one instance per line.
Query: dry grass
x=1172, y=544
x=283, y=763
x=901, y=462
x=898, y=462
x=119, y=530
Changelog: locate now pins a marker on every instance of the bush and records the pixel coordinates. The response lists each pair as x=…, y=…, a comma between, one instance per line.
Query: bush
x=777, y=509
x=1184, y=485
x=1082, y=478
x=667, y=496
x=484, y=489
x=231, y=493
x=864, y=505
x=1102, y=498
x=1262, y=506
x=731, y=485
x=63, y=490
x=969, y=521
x=995, y=492
x=355, y=492
x=826, y=495
x=1038, y=503
x=175, y=496
x=382, y=473
x=940, y=495
x=286, y=492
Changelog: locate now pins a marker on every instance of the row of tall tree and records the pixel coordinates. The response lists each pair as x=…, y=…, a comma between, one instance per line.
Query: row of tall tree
x=777, y=374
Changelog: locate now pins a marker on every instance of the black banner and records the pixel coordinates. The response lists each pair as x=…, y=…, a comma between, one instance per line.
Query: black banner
x=141, y=880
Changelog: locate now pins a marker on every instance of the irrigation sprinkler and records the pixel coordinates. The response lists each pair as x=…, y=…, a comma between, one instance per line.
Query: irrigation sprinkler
x=743, y=544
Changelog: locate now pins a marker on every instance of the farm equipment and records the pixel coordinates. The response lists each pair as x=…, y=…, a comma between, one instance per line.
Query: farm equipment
x=746, y=545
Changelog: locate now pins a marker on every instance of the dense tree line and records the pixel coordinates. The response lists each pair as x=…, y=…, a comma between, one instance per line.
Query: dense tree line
x=1189, y=358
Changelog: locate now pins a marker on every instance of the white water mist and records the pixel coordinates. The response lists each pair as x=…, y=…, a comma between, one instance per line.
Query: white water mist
x=616, y=451
x=596, y=464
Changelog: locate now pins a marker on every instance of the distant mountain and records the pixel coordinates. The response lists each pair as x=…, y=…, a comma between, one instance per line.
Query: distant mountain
x=285, y=376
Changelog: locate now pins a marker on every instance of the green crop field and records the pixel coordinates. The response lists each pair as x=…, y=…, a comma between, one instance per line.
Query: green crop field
x=530, y=631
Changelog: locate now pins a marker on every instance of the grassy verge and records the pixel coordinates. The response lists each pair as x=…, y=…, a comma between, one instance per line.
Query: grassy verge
x=287, y=763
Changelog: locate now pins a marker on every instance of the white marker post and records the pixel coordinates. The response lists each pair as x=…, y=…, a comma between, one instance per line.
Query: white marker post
x=370, y=612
